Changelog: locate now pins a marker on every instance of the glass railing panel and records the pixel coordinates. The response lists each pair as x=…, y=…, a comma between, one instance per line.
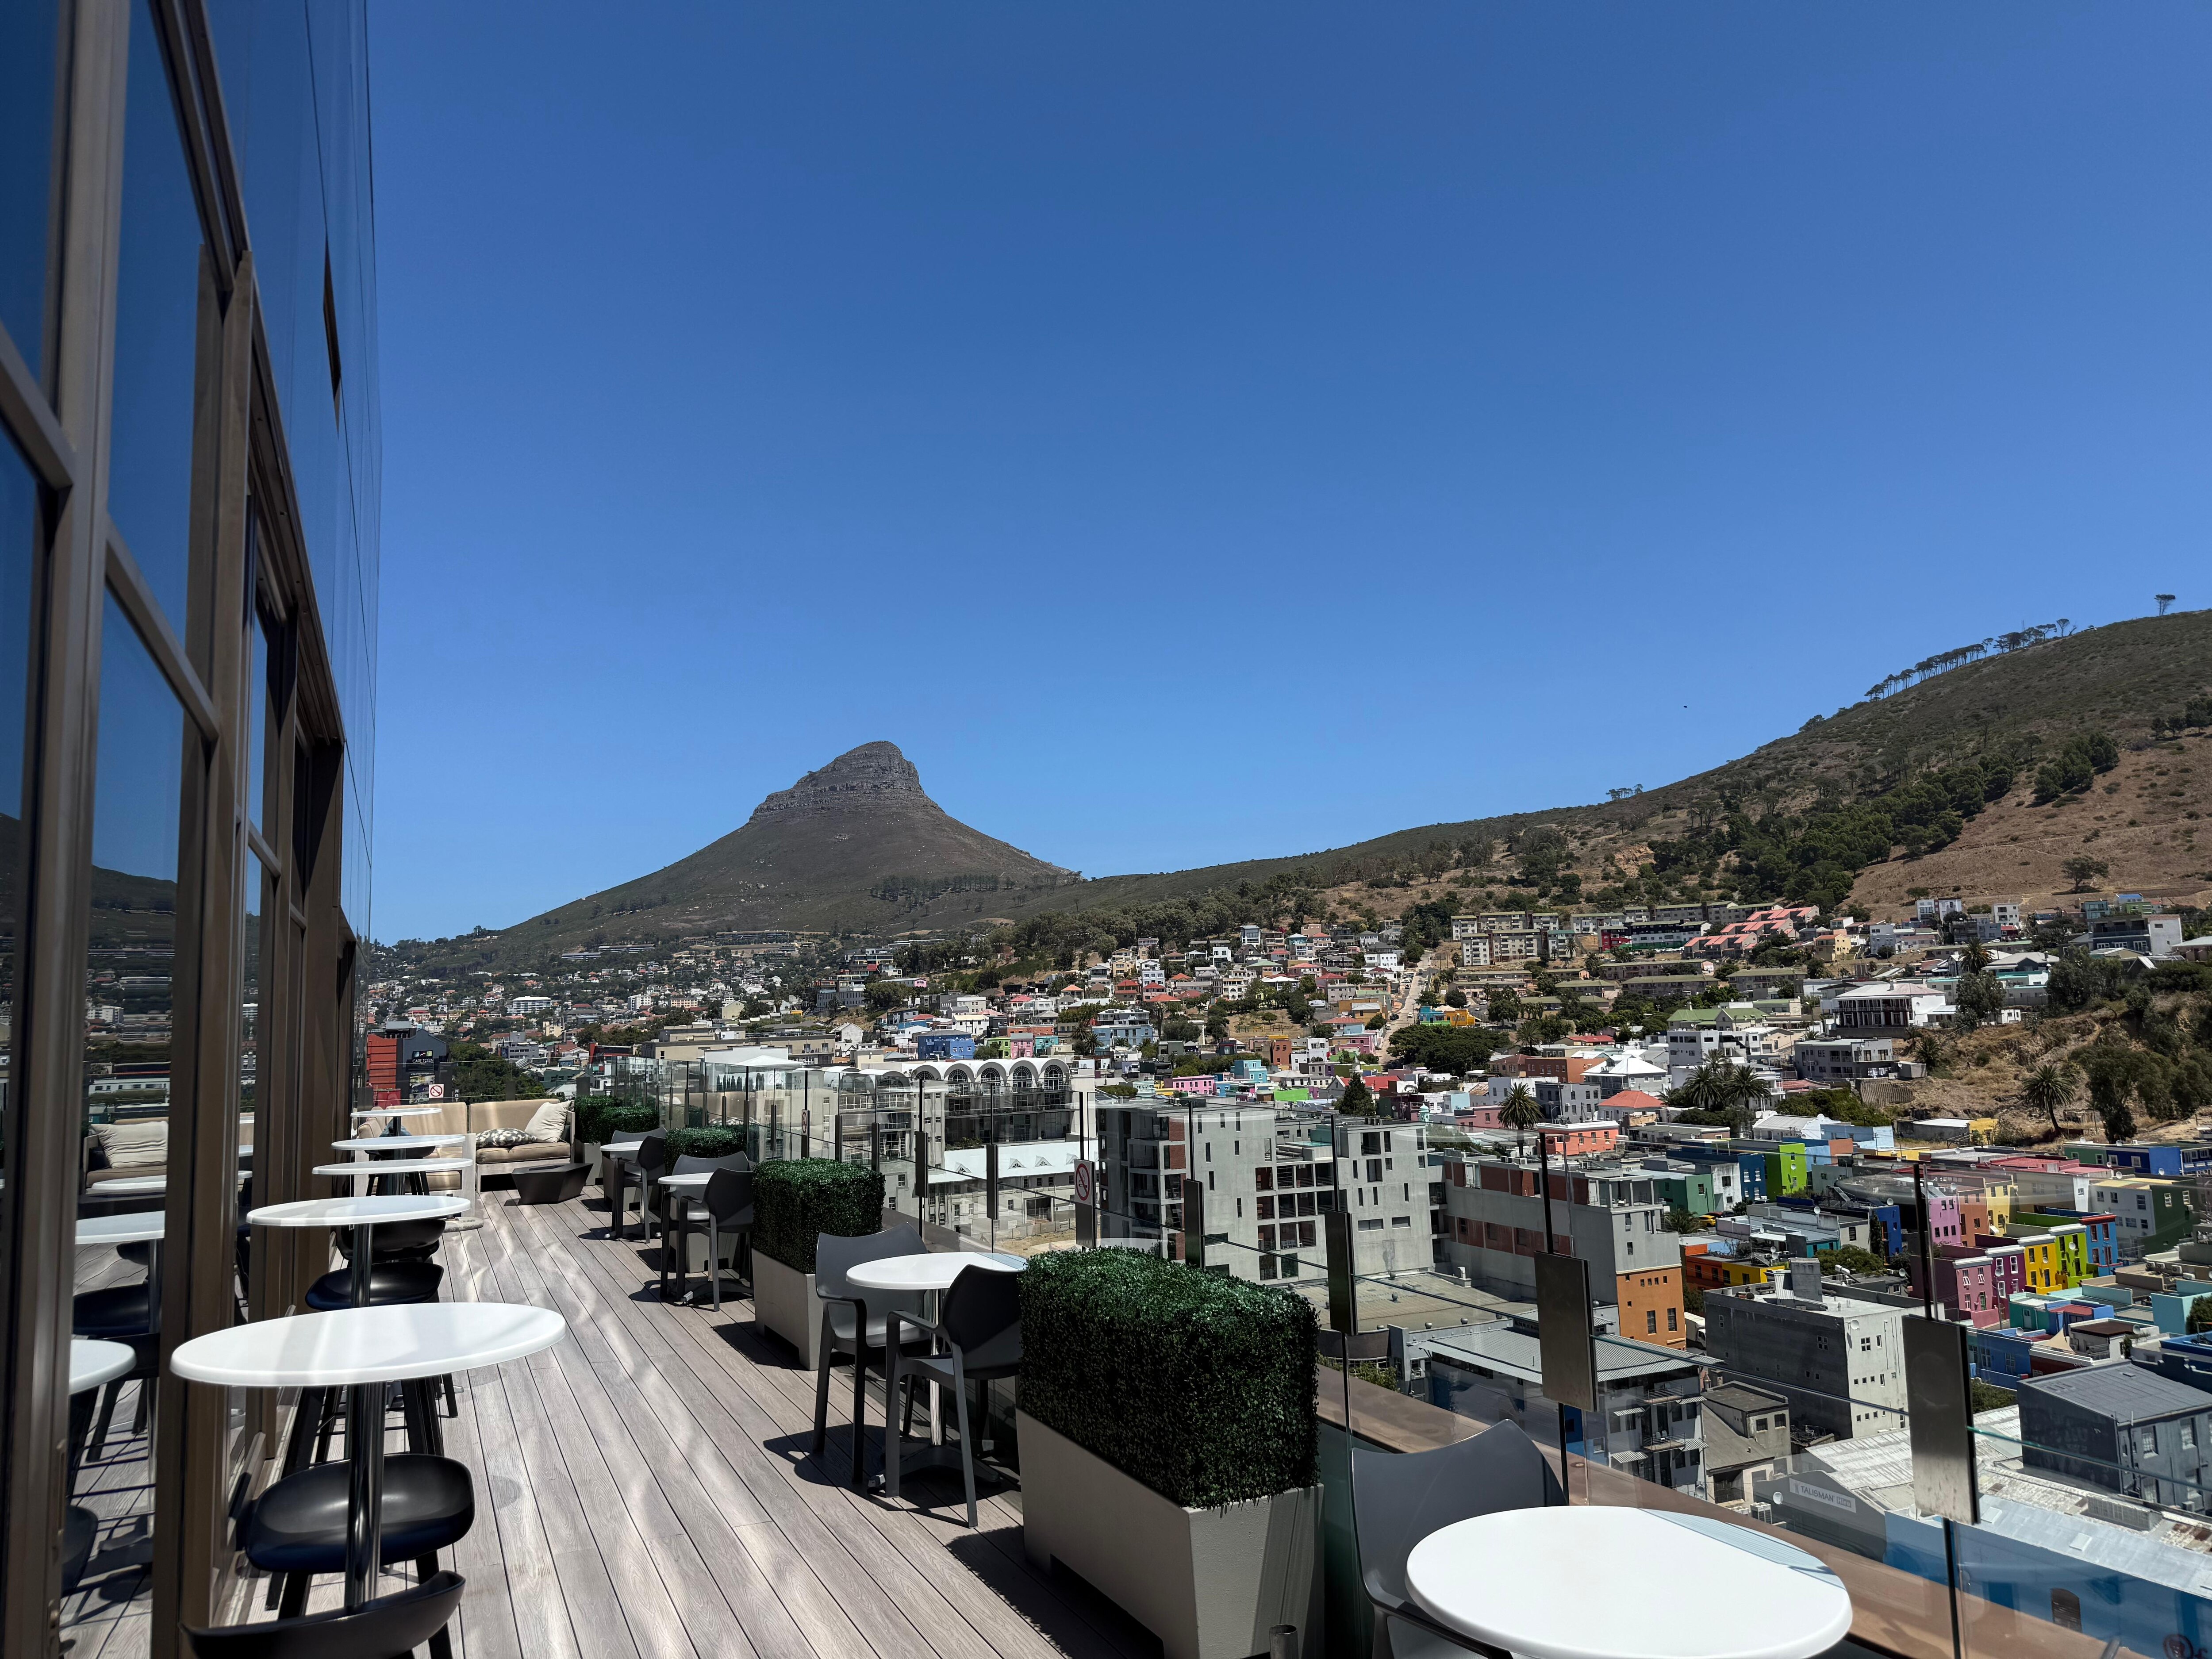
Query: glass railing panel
x=1794, y=1426
x=2093, y=1528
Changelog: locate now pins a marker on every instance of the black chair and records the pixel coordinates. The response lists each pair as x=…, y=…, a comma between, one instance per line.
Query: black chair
x=114, y=1313
x=412, y=1239
x=297, y=1527
x=650, y=1158
x=980, y=1326
x=1398, y=1498
x=121, y=1313
x=386, y=1628
x=726, y=1209
x=80, y=1526
x=851, y=1329
x=146, y=1371
x=390, y=1284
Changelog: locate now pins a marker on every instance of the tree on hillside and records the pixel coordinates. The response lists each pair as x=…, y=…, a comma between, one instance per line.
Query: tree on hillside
x=1357, y=1099
x=2082, y=869
x=1980, y=998
x=2163, y=601
x=2049, y=1089
x=1521, y=1113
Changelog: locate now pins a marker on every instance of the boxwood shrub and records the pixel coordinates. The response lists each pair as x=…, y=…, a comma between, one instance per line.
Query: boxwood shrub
x=1199, y=1385
x=712, y=1140
x=602, y=1118
x=796, y=1198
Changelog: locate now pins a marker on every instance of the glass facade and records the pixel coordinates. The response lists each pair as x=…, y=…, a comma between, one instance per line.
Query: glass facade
x=189, y=478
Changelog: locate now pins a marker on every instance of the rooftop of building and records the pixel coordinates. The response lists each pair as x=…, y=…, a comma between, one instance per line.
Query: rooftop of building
x=2127, y=1394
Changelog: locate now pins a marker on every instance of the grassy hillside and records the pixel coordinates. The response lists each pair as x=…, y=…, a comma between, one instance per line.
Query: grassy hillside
x=2027, y=702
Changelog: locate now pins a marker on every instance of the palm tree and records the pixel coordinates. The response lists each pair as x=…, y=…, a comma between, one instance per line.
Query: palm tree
x=1521, y=1114
x=1741, y=1093
x=2049, y=1089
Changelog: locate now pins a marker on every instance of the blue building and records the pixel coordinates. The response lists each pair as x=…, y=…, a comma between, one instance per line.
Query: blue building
x=2000, y=1353
x=2168, y=1161
x=1133, y=1029
x=2186, y=1360
x=945, y=1045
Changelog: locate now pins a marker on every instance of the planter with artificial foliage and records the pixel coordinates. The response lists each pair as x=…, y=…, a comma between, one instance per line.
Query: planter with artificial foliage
x=795, y=1200
x=602, y=1118
x=1168, y=1446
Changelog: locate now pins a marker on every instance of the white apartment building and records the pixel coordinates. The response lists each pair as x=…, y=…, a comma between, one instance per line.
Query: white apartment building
x=1838, y=1361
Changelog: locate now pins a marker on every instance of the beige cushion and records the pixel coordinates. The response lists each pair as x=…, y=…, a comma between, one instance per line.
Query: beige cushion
x=550, y=1122
x=135, y=1172
x=536, y=1151
x=141, y=1145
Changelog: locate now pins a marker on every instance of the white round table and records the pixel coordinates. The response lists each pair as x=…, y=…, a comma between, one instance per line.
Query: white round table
x=410, y=1143
x=137, y=1227
x=358, y=1211
x=1522, y=1579
x=934, y=1271
x=930, y=1271
x=362, y=1214
x=363, y=1349
x=398, y=1111
x=93, y=1362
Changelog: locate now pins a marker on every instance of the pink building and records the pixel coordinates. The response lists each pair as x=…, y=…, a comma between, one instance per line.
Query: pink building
x=1966, y=1284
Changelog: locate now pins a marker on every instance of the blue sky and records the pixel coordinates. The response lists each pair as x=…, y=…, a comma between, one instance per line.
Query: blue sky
x=1202, y=433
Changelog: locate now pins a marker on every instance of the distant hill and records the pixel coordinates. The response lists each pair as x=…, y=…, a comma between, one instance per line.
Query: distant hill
x=857, y=846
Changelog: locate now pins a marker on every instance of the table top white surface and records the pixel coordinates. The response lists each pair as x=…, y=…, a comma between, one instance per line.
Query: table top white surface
x=1522, y=1579
x=394, y=1166
x=398, y=1111
x=358, y=1211
x=93, y=1362
x=138, y=1228
x=129, y=1187
x=367, y=1344
x=621, y=1148
x=692, y=1181
x=395, y=1143
x=932, y=1271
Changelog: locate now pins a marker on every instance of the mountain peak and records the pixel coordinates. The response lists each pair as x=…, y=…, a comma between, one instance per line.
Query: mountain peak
x=872, y=777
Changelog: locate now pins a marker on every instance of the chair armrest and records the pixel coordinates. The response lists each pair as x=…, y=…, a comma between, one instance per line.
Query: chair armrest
x=898, y=1316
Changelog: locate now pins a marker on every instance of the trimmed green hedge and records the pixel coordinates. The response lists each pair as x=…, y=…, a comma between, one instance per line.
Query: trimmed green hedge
x=1199, y=1385
x=602, y=1118
x=713, y=1140
x=796, y=1198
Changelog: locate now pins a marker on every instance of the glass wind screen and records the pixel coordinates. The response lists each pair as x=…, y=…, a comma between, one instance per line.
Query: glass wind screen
x=156, y=331
x=29, y=103
x=128, y=1004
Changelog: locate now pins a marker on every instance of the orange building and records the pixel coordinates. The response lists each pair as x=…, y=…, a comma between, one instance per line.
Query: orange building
x=1651, y=1306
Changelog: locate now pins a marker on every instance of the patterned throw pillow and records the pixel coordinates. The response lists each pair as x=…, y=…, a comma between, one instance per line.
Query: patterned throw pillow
x=138, y=1145
x=503, y=1138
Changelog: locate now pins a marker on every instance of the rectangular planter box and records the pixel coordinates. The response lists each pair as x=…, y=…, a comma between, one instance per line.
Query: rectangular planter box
x=1210, y=1583
x=784, y=1304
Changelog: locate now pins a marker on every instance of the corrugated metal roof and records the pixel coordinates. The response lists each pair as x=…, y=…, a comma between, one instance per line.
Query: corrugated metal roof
x=2126, y=1393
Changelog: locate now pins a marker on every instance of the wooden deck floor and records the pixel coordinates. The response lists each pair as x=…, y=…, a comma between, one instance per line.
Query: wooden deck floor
x=646, y=1488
